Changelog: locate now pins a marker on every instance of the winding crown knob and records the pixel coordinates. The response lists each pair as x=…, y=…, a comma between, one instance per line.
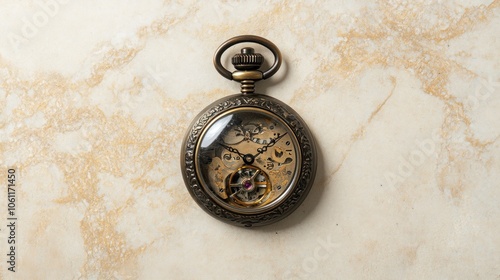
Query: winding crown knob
x=247, y=59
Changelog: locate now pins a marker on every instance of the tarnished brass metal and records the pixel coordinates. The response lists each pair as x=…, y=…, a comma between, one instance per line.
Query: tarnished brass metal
x=248, y=159
x=247, y=62
x=247, y=75
x=247, y=59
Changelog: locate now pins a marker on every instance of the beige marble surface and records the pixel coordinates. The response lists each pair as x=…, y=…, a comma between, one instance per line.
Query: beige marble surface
x=402, y=96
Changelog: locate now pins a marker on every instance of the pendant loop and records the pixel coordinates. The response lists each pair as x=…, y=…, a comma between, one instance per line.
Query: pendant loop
x=251, y=39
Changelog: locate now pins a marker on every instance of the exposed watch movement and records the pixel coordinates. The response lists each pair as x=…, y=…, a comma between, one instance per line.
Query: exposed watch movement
x=248, y=159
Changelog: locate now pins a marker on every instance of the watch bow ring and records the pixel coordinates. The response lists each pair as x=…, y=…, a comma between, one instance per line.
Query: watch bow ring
x=248, y=159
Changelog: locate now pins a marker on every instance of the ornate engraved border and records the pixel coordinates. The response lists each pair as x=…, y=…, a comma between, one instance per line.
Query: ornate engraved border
x=304, y=138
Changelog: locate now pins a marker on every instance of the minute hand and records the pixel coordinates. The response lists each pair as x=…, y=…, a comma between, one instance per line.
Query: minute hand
x=271, y=143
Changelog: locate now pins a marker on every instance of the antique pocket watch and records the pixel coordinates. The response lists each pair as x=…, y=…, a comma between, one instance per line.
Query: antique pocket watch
x=248, y=159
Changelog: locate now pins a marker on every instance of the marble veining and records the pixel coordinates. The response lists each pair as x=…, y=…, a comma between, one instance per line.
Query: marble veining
x=401, y=96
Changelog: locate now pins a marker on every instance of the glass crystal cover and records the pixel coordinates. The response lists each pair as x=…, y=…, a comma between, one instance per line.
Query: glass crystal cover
x=247, y=159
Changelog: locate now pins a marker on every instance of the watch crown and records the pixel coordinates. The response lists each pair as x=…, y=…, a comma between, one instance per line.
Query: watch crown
x=247, y=59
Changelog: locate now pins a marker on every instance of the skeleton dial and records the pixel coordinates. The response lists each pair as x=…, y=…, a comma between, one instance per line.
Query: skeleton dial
x=248, y=159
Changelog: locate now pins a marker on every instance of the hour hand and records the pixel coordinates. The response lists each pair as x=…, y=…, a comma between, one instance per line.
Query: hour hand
x=232, y=150
x=247, y=159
